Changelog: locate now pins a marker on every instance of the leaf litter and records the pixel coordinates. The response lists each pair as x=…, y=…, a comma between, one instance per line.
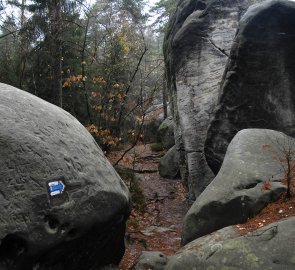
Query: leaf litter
x=158, y=226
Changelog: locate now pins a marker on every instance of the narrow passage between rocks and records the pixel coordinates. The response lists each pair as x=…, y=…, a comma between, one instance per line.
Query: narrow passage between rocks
x=158, y=226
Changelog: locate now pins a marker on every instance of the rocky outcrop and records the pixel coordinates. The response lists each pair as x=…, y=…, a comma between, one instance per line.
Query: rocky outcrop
x=62, y=205
x=197, y=46
x=166, y=133
x=258, y=87
x=169, y=164
x=270, y=247
x=152, y=121
x=151, y=260
x=250, y=178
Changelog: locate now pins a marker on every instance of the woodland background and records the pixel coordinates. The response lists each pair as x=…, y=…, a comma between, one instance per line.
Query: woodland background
x=102, y=62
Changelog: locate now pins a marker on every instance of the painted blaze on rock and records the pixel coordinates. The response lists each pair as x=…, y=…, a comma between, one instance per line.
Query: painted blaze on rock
x=62, y=205
x=56, y=188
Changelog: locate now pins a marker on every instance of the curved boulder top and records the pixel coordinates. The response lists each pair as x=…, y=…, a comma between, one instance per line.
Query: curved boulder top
x=254, y=157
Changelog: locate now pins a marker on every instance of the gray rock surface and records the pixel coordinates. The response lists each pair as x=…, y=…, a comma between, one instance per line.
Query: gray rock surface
x=62, y=205
x=237, y=193
x=169, y=164
x=197, y=46
x=151, y=260
x=152, y=122
x=166, y=133
x=258, y=87
x=271, y=247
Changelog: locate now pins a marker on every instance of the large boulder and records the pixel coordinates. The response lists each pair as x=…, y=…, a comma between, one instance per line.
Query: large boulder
x=250, y=178
x=166, y=132
x=62, y=205
x=151, y=260
x=152, y=121
x=197, y=46
x=270, y=247
x=258, y=87
x=169, y=164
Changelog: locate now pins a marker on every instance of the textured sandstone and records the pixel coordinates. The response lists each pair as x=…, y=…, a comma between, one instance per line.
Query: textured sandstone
x=236, y=193
x=197, y=46
x=270, y=247
x=258, y=87
x=79, y=228
x=169, y=164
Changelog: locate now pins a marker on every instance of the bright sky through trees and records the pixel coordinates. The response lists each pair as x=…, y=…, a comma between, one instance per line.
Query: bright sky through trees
x=150, y=2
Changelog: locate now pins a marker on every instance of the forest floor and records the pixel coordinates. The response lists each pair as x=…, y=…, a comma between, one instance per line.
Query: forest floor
x=275, y=211
x=157, y=225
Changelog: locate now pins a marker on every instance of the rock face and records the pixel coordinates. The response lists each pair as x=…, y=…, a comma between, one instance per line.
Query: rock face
x=152, y=121
x=166, y=133
x=253, y=157
x=151, y=260
x=271, y=247
x=62, y=205
x=258, y=87
x=169, y=164
x=196, y=48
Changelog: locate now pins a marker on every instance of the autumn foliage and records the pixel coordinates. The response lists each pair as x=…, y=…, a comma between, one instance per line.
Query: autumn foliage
x=284, y=154
x=271, y=213
x=103, y=137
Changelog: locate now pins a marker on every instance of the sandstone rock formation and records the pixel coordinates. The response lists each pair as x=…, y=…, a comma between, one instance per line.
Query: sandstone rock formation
x=271, y=247
x=237, y=192
x=62, y=205
x=166, y=133
x=197, y=47
x=151, y=260
x=152, y=121
x=169, y=164
x=258, y=87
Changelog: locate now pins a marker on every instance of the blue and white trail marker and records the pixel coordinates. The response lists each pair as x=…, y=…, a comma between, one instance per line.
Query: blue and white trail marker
x=56, y=188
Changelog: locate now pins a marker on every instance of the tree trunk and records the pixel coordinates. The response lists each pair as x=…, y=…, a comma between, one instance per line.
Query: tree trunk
x=22, y=57
x=83, y=63
x=164, y=92
x=56, y=34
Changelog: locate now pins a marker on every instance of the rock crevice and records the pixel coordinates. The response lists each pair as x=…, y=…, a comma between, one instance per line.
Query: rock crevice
x=196, y=50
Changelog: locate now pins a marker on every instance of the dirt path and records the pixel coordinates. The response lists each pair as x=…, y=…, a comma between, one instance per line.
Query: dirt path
x=158, y=227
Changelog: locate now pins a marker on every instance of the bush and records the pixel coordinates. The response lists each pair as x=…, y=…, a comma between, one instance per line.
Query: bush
x=156, y=147
x=132, y=182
